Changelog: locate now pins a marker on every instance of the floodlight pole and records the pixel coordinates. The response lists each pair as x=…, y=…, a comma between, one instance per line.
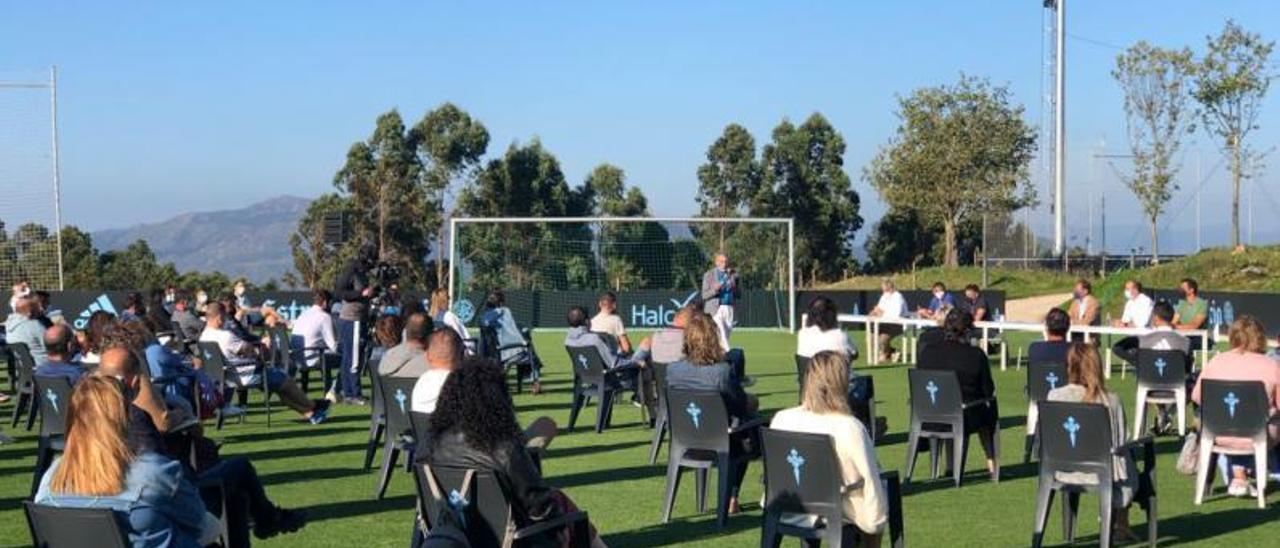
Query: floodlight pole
x=1059, y=128
x=791, y=271
x=453, y=255
x=57, y=176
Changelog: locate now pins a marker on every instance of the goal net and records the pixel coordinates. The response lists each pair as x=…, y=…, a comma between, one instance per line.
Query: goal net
x=653, y=265
x=29, y=239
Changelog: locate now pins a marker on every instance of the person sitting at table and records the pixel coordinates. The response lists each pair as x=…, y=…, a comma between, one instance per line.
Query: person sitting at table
x=1191, y=313
x=939, y=300
x=974, y=375
x=822, y=332
x=1053, y=349
x=1084, y=306
x=824, y=409
x=891, y=305
x=974, y=302
x=1137, y=313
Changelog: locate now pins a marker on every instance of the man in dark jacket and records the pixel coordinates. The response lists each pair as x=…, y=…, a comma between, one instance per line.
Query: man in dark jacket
x=353, y=289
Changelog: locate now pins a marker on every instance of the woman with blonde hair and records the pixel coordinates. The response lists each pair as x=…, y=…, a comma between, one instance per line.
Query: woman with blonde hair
x=1246, y=361
x=443, y=315
x=98, y=469
x=824, y=409
x=1085, y=384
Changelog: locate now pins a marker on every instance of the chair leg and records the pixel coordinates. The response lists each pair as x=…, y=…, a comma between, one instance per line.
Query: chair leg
x=995, y=457
x=700, y=488
x=19, y=406
x=1044, y=501
x=659, y=431
x=1104, y=515
x=44, y=458
x=1139, y=412
x=960, y=450
x=389, y=455
x=1260, y=470
x=579, y=401
x=933, y=457
x=375, y=436
x=913, y=441
x=603, y=408
x=673, y=485
x=724, y=488
x=769, y=537
x=32, y=409
x=1153, y=519
x=221, y=416
x=1181, y=396
x=1028, y=445
x=1070, y=507
x=1204, y=480
x=266, y=401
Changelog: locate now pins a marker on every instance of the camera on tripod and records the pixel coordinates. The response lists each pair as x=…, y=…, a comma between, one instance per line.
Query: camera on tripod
x=382, y=275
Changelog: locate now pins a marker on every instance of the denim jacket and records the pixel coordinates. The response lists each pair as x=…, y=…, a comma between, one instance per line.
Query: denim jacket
x=159, y=508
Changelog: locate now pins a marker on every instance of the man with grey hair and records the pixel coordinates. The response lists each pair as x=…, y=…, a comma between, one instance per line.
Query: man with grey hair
x=891, y=305
x=720, y=291
x=22, y=327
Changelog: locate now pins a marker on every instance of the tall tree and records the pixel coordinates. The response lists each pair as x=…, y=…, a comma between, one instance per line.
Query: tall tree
x=634, y=255
x=730, y=180
x=80, y=268
x=900, y=240
x=804, y=178
x=1230, y=83
x=960, y=150
x=450, y=144
x=1156, y=84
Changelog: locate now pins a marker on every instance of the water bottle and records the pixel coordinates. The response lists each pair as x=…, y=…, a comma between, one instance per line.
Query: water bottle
x=856, y=310
x=998, y=317
x=1228, y=313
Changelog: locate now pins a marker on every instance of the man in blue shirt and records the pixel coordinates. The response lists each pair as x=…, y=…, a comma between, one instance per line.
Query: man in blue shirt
x=939, y=302
x=719, y=293
x=58, y=344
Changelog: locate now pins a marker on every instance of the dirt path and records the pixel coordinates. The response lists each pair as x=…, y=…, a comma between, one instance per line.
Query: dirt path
x=1032, y=309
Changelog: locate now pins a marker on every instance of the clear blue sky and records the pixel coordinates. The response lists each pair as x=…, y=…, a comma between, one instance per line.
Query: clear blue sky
x=220, y=105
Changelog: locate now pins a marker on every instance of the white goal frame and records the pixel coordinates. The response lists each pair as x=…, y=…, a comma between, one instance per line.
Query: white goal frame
x=789, y=222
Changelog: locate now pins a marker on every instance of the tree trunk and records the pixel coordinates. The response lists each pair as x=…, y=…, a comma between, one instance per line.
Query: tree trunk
x=440, y=258
x=1155, y=242
x=950, y=257
x=1236, y=175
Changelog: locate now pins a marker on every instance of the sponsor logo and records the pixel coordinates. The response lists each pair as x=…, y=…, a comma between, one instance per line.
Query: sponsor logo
x=643, y=315
x=1071, y=426
x=464, y=310
x=290, y=311
x=101, y=303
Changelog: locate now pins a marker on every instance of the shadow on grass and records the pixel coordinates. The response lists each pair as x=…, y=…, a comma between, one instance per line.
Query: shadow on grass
x=301, y=451
x=309, y=433
x=1196, y=527
x=351, y=508
x=565, y=452
x=314, y=474
x=605, y=476
x=683, y=531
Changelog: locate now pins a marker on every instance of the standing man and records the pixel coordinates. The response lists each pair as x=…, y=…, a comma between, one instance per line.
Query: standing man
x=719, y=293
x=352, y=287
x=891, y=305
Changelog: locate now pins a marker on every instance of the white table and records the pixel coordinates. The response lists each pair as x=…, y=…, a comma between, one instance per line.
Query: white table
x=872, y=324
x=1001, y=327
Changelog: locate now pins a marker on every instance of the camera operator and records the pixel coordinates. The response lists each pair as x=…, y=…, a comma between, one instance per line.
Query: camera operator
x=352, y=287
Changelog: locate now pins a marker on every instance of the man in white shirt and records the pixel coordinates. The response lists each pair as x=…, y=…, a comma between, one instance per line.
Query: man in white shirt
x=1137, y=306
x=313, y=329
x=608, y=322
x=891, y=305
x=444, y=353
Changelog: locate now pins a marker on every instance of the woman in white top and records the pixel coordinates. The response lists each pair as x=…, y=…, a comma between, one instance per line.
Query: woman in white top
x=825, y=410
x=441, y=313
x=822, y=332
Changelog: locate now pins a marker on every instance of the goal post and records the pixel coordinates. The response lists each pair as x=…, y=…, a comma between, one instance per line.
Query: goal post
x=653, y=264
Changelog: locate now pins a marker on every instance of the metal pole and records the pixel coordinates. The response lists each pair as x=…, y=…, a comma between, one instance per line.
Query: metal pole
x=985, y=250
x=453, y=256
x=791, y=270
x=57, y=178
x=1103, y=234
x=1199, y=188
x=1059, y=129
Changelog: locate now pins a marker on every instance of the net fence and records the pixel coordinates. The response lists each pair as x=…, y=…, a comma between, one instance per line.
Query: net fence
x=29, y=247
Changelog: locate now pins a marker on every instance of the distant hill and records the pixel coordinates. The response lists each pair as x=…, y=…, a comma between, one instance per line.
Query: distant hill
x=252, y=242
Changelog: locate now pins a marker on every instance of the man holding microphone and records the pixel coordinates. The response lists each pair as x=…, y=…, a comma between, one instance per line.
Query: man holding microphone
x=719, y=292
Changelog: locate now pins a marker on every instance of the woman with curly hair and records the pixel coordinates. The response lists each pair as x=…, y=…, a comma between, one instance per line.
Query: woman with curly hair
x=474, y=426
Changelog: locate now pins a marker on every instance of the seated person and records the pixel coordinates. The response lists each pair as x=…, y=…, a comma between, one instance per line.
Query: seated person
x=134, y=307
x=608, y=322
x=1053, y=349
x=232, y=321
x=939, y=300
x=184, y=318
x=891, y=305
x=705, y=368
x=1085, y=384
x=580, y=336
x=241, y=355
x=157, y=505
x=1245, y=361
x=497, y=316
x=974, y=374
x=974, y=302
x=822, y=332
x=474, y=426
x=387, y=334
x=1138, y=308
x=91, y=338
x=409, y=358
x=1192, y=312
x=824, y=409
x=313, y=332
x=23, y=327
x=1084, y=308
x=443, y=315
x=59, y=344
x=666, y=345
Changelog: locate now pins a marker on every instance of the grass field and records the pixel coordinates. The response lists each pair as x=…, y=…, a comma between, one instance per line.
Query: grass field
x=319, y=468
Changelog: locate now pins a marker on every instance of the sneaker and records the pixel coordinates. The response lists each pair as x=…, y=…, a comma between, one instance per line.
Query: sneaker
x=321, y=412
x=355, y=400
x=748, y=381
x=230, y=410
x=4, y=398
x=287, y=521
x=1239, y=488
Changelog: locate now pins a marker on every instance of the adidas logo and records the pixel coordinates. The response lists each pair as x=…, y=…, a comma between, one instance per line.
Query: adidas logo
x=101, y=303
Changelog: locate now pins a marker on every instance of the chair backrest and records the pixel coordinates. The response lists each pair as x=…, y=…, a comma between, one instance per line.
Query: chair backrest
x=588, y=365
x=861, y=396
x=935, y=395
x=1234, y=408
x=58, y=527
x=1043, y=377
x=378, y=403
x=802, y=368
x=698, y=419
x=215, y=364
x=281, y=347
x=488, y=344
x=397, y=395
x=801, y=474
x=659, y=370
x=52, y=396
x=1074, y=436
x=482, y=504
x=25, y=366
x=1162, y=369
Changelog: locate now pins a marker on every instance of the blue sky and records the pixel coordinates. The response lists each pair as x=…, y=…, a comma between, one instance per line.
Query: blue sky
x=220, y=105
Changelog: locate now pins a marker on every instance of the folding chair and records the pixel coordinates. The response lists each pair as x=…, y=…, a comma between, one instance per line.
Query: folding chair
x=1162, y=379
x=58, y=527
x=1042, y=377
x=702, y=449
x=1237, y=409
x=521, y=361
x=936, y=402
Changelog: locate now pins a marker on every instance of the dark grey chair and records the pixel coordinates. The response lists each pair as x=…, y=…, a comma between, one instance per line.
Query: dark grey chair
x=1076, y=437
x=1162, y=379
x=521, y=362
x=53, y=395
x=591, y=379
x=660, y=426
x=397, y=393
x=937, y=414
x=290, y=353
x=377, y=417
x=1237, y=409
x=1041, y=378
x=484, y=509
x=802, y=477
x=861, y=396
x=24, y=370
x=216, y=367
x=701, y=439
x=57, y=527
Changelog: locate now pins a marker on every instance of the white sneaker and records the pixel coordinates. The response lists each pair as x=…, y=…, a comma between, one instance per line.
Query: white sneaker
x=1239, y=488
x=231, y=411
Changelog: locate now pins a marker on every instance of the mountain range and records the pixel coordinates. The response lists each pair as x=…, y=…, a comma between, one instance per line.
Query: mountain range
x=252, y=242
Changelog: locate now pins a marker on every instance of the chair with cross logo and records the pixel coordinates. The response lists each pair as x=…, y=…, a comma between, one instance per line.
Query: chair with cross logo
x=591, y=379
x=660, y=426
x=861, y=395
x=53, y=526
x=517, y=357
x=222, y=374
x=702, y=439
x=1162, y=379
x=1041, y=378
x=1235, y=409
x=804, y=491
x=52, y=395
x=480, y=505
x=397, y=393
x=1078, y=456
x=24, y=371
x=937, y=414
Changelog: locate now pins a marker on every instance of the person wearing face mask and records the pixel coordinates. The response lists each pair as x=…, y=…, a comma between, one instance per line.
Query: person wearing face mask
x=1137, y=313
x=1084, y=306
x=939, y=300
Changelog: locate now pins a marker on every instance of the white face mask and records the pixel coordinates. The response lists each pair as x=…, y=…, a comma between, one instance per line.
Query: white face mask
x=938, y=294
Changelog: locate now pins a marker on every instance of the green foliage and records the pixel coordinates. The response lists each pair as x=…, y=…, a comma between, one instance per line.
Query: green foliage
x=318, y=264
x=960, y=151
x=899, y=241
x=450, y=144
x=1230, y=82
x=634, y=255
x=80, y=268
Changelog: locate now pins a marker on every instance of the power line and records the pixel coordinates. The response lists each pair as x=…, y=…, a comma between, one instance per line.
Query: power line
x=1094, y=41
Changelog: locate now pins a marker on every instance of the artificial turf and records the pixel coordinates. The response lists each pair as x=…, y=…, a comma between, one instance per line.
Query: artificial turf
x=319, y=469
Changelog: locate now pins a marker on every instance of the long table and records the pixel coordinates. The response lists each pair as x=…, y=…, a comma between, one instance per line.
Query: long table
x=912, y=325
